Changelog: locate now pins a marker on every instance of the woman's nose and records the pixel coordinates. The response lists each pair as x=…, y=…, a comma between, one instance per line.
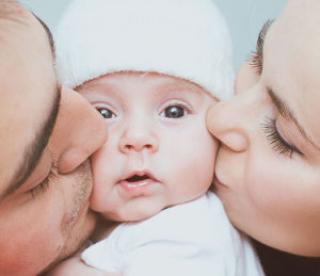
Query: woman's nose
x=230, y=122
x=79, y=131
x=138, y=137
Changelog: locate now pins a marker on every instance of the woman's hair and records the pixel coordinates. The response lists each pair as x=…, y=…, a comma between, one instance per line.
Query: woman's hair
x=279, y=263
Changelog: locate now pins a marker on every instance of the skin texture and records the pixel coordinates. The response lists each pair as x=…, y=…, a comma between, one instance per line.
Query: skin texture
x=40, y=223
x=270, y=188
x=145, y=140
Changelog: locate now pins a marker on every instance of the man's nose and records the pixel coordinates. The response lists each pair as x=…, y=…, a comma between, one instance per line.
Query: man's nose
x=79, y=131
x=231, y=121
x=138, y=137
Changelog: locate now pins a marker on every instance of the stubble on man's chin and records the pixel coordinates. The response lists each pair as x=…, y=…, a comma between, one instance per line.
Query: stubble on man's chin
x=67, y=253
x=82, y=185
x=79, y=222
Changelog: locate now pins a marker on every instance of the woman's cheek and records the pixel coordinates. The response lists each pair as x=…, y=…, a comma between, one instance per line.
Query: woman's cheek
x=263, y=187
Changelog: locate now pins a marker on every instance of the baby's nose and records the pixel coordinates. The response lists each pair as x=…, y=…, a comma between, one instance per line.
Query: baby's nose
x=138, y=140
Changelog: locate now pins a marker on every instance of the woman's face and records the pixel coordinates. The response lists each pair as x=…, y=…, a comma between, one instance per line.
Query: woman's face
x=268, y=167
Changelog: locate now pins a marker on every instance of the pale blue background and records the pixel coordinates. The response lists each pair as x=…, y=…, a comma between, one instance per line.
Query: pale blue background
x=245, y=18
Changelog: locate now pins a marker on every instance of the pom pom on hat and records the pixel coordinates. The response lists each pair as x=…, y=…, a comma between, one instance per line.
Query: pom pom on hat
x=187, y=39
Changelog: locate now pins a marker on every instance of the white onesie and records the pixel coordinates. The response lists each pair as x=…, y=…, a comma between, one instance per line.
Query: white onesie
x=191, y=239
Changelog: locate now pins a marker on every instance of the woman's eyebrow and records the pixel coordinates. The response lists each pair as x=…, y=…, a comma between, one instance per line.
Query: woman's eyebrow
x=260, y=43
x=287, y=113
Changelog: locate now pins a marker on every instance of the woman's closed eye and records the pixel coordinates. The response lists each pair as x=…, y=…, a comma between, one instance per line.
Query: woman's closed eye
x=277, y=142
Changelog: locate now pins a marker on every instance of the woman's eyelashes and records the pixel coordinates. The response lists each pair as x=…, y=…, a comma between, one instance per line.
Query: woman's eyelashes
x=255, y=62
x=277, y=142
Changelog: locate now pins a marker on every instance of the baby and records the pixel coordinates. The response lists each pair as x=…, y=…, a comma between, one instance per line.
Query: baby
x=152, y=68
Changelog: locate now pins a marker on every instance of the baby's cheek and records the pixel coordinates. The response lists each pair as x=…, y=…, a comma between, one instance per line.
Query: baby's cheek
x=100, y=163
x=203, y=163
x=215, y=147
x=212, y=145
x=98, y=172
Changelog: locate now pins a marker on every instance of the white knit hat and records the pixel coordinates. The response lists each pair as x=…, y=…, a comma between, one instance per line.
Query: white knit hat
x=188, y=39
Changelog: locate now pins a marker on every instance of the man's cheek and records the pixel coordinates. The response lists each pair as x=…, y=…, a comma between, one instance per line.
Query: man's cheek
x=28, y=245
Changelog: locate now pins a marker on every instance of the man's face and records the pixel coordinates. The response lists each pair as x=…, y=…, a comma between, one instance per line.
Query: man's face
x=44, y=214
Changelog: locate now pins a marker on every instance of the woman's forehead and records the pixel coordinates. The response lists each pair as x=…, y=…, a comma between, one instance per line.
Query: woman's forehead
x=300, y=15
x=292, y=43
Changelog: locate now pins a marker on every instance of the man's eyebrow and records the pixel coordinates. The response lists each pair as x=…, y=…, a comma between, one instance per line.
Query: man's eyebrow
x=33, y=152
x=258, y=54
x=287, y=113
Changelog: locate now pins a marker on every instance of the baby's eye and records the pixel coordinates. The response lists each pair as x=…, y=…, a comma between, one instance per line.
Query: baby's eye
x=105, y=112
x=174, y=111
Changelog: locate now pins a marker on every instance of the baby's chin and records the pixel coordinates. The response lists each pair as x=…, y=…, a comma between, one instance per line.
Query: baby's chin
x=131, y=214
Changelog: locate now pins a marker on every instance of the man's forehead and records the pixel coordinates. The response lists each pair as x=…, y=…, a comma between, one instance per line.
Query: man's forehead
x=15, y=27
x=12, y=13
x=14, y=16
x=8, y=7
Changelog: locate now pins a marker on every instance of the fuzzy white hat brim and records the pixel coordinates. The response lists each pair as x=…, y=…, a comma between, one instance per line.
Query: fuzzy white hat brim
x=183, y=38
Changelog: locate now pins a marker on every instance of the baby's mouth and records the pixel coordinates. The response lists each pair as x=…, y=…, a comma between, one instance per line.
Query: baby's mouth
x=137, y=178
x=138, y=181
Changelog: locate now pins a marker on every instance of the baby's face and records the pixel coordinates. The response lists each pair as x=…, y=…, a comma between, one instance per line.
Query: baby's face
x=159, y=152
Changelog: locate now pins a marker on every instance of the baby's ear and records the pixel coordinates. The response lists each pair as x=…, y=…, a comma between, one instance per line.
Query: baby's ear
x=246, y=78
